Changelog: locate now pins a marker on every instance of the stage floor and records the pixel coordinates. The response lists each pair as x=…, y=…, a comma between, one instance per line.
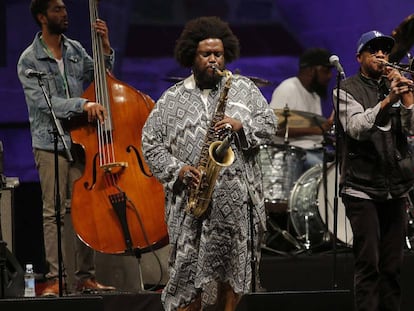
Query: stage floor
x=307, y=281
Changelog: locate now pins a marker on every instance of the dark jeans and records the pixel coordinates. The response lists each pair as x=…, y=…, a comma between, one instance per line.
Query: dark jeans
x=379, y=231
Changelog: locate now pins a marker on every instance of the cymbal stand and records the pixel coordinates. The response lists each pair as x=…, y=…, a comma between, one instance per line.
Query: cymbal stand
x=307, y=240
x=286, y=114
x=326, y=238
x=286, y=234
x=325, y=143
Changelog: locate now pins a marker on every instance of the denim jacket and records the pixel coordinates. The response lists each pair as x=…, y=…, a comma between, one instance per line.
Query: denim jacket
x=65, y=94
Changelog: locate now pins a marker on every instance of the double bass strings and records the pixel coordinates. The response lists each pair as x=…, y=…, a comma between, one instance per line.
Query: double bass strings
x=105, y=138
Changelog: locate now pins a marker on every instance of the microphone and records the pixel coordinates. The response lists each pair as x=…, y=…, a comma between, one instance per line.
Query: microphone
x=334, y=61
x=33, y=73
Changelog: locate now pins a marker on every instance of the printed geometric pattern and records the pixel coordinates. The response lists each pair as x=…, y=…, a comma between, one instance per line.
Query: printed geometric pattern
x=218, y=247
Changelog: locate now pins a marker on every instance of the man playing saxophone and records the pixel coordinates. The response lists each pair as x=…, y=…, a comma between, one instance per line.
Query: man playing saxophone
x=213, y=257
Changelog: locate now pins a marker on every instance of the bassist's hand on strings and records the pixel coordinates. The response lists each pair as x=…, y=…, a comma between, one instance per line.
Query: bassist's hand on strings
x=102, y=30
x=95, y=111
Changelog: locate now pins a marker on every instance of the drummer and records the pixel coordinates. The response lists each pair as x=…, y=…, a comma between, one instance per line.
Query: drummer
x=303, y=92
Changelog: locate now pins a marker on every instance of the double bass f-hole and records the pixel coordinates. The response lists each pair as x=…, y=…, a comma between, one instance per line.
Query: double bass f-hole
x=117, y=204
x=140, y=161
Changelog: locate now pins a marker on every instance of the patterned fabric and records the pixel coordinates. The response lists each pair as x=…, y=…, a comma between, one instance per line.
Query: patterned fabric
x=218, y=247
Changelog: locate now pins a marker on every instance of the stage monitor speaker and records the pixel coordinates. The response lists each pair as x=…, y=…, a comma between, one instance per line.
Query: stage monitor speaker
x=321, y=300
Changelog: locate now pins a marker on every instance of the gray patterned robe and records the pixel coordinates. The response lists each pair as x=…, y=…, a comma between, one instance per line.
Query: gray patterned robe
x=218, y=247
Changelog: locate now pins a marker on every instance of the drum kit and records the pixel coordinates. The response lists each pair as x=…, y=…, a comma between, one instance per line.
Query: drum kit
x=299, y=205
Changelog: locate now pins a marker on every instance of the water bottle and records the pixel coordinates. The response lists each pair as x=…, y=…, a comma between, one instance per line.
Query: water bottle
x=29, y=281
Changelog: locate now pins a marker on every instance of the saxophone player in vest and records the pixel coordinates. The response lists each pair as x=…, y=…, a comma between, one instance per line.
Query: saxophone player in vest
x=376, y=116
x=213, y=251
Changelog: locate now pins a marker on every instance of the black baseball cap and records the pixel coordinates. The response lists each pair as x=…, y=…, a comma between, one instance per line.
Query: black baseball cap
x=315, y=57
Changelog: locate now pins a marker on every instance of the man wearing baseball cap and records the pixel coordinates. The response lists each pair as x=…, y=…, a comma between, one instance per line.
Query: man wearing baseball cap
x=374, y=39
x=375, y=114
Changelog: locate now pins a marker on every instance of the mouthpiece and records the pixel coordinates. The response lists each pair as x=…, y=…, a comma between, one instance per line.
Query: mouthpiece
x=218, y=71
x=223, y=73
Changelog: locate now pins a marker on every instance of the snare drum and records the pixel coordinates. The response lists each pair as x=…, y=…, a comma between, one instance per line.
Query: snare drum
x=281, y=166
x=308, y=211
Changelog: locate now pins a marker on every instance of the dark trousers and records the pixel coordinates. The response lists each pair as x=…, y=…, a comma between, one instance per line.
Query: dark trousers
x=379, y=231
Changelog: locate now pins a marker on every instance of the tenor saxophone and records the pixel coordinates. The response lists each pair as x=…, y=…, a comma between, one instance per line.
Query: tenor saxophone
x=211, y=162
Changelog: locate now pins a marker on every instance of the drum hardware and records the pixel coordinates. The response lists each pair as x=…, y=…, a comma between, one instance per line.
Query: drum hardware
x=286, y=114
x=288, y=237
x=409, y=238
x=307, y=241
x=328, y=156
x=281, y=166
x=311, y=222
x=279, y=240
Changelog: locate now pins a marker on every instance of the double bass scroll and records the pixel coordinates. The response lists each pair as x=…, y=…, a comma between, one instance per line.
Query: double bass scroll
x=117, y=205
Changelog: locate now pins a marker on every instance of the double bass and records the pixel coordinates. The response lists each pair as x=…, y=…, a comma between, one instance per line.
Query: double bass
x=117, y=205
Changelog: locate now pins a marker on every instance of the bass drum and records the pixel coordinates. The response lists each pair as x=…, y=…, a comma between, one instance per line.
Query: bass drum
x=281, y=166
x=307, y=208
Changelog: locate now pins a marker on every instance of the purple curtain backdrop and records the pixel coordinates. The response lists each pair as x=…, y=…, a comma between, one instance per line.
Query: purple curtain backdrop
x=272, y=35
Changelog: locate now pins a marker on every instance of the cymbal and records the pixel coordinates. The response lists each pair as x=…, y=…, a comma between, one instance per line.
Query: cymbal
x=173, y=79
x=299, y=119
x=403, y=35
x=258, y=81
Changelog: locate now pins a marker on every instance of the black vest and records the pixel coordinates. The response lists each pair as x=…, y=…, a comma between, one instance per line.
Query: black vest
x=377, y=166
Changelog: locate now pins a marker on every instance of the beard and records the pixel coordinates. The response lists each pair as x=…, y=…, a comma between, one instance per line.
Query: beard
x=206, y=80
x=374, y=73
x=318, y=88
x=56, y=28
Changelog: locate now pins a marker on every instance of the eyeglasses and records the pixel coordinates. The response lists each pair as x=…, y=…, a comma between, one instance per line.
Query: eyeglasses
x=374, y=48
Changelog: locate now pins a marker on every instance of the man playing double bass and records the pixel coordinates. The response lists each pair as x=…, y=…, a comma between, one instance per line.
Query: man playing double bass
x=64, y=67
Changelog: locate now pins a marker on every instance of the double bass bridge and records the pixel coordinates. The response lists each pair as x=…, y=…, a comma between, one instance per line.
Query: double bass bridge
x=114, y=167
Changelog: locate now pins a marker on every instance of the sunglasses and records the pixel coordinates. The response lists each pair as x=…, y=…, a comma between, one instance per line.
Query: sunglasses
x=373, y=48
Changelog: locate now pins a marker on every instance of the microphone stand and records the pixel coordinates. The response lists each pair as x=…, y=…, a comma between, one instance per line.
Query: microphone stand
x=286, y=115
x=335, y=211
x=3, y=244
x=57, y=134
x=3, y=259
